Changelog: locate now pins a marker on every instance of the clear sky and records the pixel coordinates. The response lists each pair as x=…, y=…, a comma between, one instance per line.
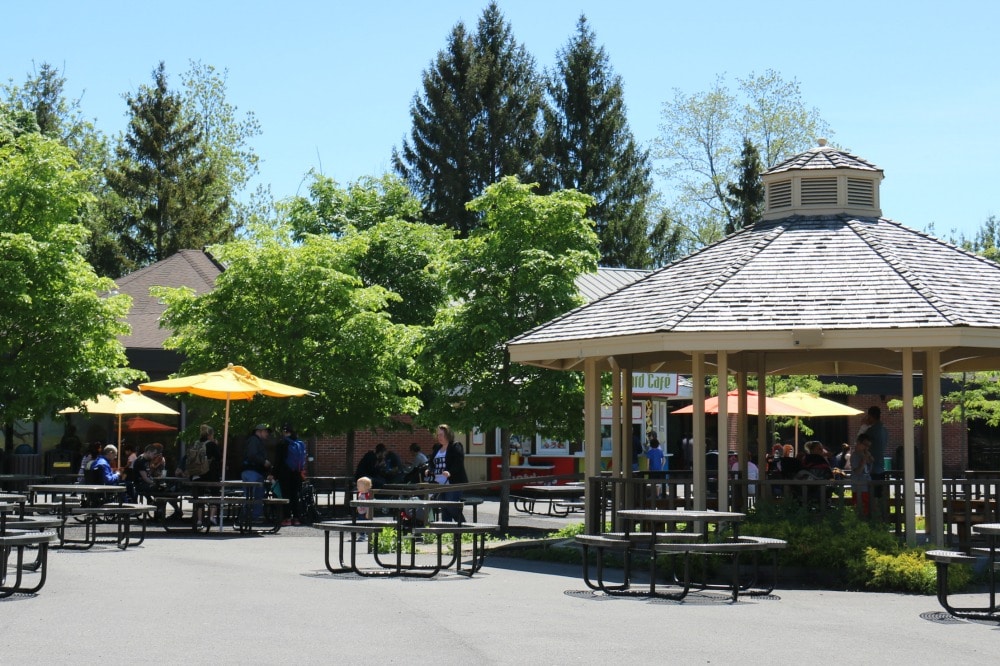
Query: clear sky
x=910, y=85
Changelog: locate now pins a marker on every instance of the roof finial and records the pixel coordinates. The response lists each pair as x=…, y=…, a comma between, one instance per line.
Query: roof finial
x=822, y=142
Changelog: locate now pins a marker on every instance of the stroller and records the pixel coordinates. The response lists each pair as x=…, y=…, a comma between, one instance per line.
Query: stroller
x=416, y=475
x=306, y=509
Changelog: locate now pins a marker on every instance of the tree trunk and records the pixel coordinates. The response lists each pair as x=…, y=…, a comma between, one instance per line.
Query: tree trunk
x=504, y=518
x=349, y=463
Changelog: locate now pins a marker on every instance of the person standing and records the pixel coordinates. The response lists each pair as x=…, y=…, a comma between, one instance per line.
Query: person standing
x=654, y=452
x=288, y=461
x=879, y=437
x=255, y=468
x=448, y=467
x=861, y=466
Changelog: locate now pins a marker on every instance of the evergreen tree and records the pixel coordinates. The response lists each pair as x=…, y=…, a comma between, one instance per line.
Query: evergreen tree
x=164, y=181
x=476, y=121
x=592, y=149
x=746, y=195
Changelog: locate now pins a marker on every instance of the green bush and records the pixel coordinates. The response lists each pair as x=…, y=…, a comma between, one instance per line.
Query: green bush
x=910, y=571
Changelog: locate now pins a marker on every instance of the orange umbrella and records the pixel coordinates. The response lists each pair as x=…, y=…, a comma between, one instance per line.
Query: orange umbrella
x=139, y=424
x=775, y=407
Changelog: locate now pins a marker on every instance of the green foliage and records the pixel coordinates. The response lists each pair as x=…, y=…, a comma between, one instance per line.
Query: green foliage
x=514, y=273
x=224, y=138
x=589, y=147
x=746, y=195
x=909, y=571
x=569, y=531
x=60, y=324
x=299, y=314
x=170, y=191
x=832, y=541
x=331, y=209
x=474, y=122
x=391, y=248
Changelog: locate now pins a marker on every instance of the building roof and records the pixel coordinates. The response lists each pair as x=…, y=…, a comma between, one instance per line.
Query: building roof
x=606, y=280
x=195, y=269
x=823, y=156
x=818, y=282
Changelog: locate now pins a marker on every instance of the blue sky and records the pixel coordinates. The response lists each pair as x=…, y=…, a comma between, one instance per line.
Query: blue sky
x=912, y=86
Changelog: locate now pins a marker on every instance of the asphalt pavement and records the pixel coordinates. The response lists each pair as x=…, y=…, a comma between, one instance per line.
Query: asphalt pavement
x=269, y=599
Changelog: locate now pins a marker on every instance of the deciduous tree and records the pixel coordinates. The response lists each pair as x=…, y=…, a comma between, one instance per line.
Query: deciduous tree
x=297, y=313
x=515, y=272
x=702, y=134
x=59, y=322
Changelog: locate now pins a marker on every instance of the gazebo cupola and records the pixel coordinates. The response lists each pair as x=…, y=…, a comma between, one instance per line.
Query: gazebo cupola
x=822, y=181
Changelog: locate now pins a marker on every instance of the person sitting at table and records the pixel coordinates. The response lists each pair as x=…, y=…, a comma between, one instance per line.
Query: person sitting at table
x=145, y=481
x=414, y=472
x=203, y=455
x=100, y=472
x=372, y=465
x=390, y=464
x=92, y=453
x=447, y=467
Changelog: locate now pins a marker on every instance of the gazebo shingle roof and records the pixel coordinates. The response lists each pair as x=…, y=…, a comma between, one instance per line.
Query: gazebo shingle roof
x=780, y=275
x=823, y=157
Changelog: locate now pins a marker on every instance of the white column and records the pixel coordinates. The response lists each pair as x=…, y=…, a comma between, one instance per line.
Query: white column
x=616, y=418
x=909, y=469
x=932, y=422
x=722, y=461
x=698, y=429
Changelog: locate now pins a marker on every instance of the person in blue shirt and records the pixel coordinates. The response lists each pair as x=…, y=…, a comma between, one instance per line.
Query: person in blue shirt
x=100, y=469
x=654, y=453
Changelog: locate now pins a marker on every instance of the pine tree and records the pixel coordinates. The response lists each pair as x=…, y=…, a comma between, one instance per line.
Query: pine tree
x=746, y=195
x=162, y=178
x=592, y=149
x=476, y=121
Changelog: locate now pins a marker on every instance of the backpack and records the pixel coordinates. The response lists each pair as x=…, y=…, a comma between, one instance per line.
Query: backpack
x=295, y=459
x=196, y=460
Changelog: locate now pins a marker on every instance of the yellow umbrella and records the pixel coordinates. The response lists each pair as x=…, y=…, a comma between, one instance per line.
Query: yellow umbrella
x=121, y=401
x=233, y=382
x=814, y=405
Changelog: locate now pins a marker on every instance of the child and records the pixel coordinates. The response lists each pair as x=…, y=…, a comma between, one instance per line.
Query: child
x=655, y=454
x=364, y=493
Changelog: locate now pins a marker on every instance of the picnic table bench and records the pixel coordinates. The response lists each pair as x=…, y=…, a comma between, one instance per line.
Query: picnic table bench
x=121, y=515
x=943, y=559
x=479, y=531
x=14, y=541
x=557, y=500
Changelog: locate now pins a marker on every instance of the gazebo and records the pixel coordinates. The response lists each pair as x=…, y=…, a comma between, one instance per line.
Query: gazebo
x=822, y=284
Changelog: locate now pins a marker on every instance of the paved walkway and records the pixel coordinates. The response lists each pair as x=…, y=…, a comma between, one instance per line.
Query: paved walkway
x=269, y=600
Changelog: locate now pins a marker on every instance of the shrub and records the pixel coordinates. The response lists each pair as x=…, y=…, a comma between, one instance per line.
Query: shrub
x=909, y=571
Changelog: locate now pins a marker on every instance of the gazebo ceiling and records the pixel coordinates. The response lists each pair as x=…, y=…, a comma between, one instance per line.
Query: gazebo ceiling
x=831, y=294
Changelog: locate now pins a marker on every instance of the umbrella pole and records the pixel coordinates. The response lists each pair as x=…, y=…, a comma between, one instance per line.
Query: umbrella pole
x=119, y=441
x=225, y=449
x=796, y=435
